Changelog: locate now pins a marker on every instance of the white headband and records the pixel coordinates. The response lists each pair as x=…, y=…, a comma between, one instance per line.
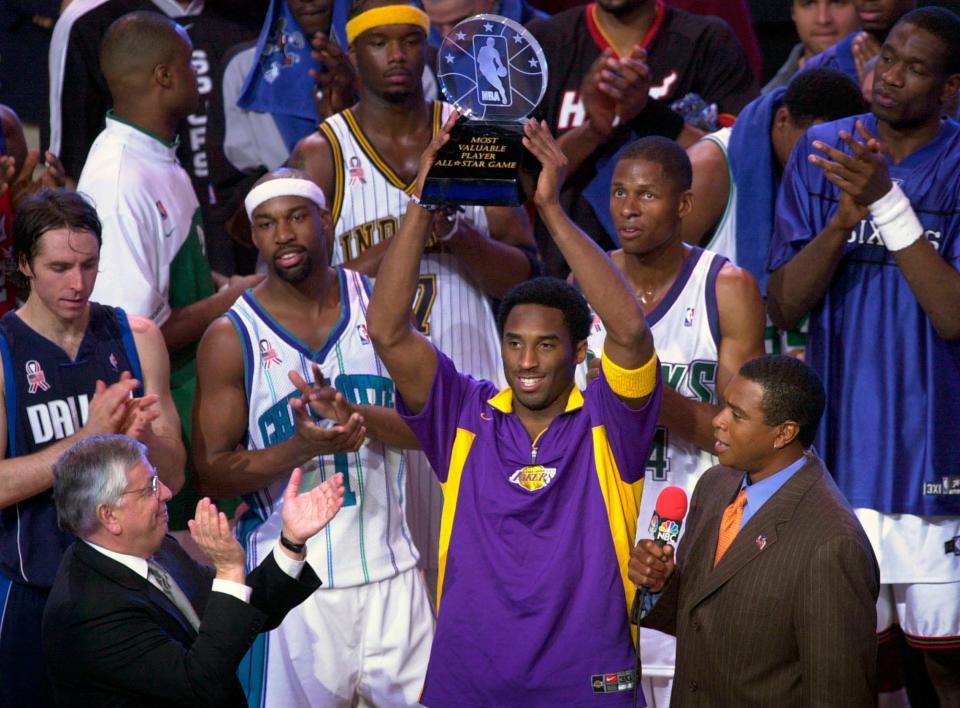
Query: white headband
x=283, y=187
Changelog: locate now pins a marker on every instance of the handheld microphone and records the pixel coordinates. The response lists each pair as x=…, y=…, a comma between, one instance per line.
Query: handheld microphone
x=664, y=528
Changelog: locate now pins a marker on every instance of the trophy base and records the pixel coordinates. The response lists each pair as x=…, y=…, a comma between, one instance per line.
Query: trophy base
x=482, y=164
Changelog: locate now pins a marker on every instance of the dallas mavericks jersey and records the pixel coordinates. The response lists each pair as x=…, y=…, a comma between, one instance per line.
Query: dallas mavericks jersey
x=369, y=201
x=888, y=433
x=368, y=540
x=48, y=397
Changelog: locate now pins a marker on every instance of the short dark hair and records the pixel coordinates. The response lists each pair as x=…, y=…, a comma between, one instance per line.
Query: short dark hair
x=136, y=42
x=822, y=94
x=791, y=391
x=50, y=209
x=672, y=158
x=550, y=292
x=943, y=24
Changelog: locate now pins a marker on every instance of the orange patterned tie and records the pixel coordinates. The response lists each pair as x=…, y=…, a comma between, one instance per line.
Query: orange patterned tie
x=730, y=525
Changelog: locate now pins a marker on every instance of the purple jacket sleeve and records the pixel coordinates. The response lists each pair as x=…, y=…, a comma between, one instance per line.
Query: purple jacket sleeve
x=630, y=432
x=452, y=398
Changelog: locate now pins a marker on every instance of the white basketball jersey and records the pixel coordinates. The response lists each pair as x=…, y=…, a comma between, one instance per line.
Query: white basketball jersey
x=369, y=201
x=368, y=540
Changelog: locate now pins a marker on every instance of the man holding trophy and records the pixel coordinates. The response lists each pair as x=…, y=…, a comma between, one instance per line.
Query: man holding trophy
x=540, y=480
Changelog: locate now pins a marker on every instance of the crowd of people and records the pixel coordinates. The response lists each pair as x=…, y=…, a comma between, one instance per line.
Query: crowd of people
x=419, y=445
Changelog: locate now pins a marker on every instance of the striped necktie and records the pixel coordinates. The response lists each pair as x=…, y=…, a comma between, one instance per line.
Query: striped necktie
x=169, y=587
x=730, y=525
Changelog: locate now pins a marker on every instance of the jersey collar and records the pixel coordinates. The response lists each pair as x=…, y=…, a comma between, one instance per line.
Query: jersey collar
x=600, y=37
x=503, y=401
x=141, y=139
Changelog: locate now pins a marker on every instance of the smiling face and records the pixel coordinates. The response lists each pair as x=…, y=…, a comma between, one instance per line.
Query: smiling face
x=910, y=85
x=390, y=60
x=646, y=206
x=539, y=358
x=289, y=233
x=63, y=272
x=141, y=514
x=822, y=23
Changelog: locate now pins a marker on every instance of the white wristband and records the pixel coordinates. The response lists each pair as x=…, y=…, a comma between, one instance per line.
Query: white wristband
x=895, y=219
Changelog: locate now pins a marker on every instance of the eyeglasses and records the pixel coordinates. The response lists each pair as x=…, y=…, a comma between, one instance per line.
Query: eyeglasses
x=154, y=488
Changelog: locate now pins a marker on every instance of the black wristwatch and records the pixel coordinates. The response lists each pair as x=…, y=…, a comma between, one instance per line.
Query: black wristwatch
x=290, y=545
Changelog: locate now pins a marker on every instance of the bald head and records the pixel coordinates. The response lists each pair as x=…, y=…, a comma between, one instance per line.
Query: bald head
x=134, y=46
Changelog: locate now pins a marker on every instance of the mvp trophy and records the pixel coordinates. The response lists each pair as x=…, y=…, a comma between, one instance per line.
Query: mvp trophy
x=494, y=72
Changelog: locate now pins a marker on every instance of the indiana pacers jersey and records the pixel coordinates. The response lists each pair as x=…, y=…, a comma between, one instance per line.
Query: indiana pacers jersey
x=368, y=540
x=369, y=201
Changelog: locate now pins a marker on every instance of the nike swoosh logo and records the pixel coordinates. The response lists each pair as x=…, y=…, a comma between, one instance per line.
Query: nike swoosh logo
x=169, y=233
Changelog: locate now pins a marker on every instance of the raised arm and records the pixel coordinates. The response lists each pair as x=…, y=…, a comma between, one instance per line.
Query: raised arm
x=220, y=422
x=161, y=435
x=629, y=343
x=410, y=358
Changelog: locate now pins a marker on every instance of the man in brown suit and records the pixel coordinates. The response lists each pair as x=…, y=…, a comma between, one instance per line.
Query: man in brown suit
x=772, y=597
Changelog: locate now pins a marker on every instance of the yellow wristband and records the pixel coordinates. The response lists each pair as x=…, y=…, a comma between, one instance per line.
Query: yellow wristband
x=387, y=15
x=630, y=383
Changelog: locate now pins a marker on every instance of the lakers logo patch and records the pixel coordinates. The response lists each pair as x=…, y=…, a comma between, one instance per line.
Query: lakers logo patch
x=533, y=478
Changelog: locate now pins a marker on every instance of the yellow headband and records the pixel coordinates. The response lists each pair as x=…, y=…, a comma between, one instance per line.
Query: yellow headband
x=387, y=15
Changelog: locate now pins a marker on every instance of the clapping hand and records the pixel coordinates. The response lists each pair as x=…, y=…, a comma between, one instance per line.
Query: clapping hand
x=348, y=432
x=211, y=532
x=304, y=515
x=862, y=177
x=615, y=89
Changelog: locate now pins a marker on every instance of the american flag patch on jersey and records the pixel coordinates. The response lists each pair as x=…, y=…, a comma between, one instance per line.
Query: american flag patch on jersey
x=356, y=171
x=268, y=355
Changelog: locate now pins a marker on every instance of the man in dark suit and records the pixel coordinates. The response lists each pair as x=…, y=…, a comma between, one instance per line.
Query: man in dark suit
x=132, y=620
x=772, y=597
